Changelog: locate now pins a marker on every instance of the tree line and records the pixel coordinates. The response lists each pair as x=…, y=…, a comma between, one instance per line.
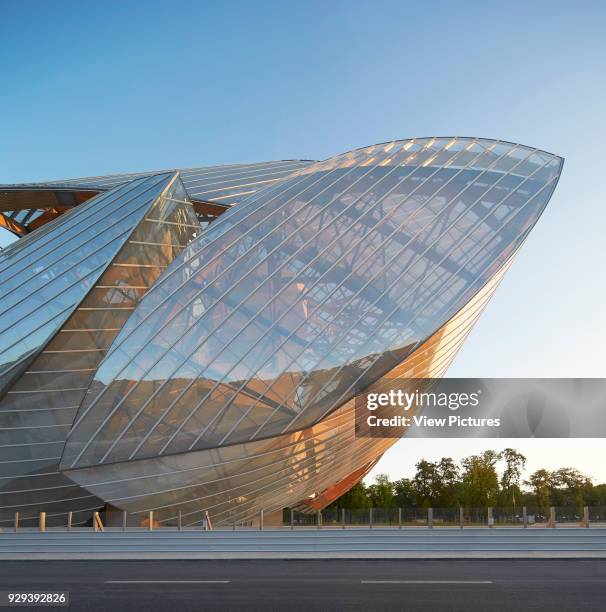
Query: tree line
x=488, y=479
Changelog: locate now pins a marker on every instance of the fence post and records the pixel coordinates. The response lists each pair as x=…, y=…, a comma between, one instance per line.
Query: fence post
x=370, y=518
x=585, y=516
x=342, y=518
x=151, y=520
x=97, y=523
x=430, y=518
x=180, y=521
x=208, y=524
x=490, y=517
x=261, y=520
x=124, y=520
x=16, y=521
x=69, y=520
x=552, y=518
x=42, y=523
x=292, y=519
x=461, y=517
x=525, y=517
x=399, y=518
x=319, y=518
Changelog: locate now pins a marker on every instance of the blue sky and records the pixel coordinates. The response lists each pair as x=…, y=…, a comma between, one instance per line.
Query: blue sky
x=101, y=87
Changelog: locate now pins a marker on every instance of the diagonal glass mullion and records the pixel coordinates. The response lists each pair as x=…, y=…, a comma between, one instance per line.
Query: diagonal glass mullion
x=452, y=340
x=289, y=443
x=91, y=273
x=360, y=377
x=221, y=177
x=397, y=279
x=24, y=242
x=325, y=447
x=371, y=365
x=224, y=271
x=378, y=247
x=208, y=240
x=67, y=225
x=64, y=310
x=32, y=350
x=217, y=228
x=265, y=280
x=479, y=244
x=224, y=184
x=39, y=290
x=290, y=281
x=364, y=238
x=76, y=217
x=210, y=236
x=93, y=212
x=441, y=358
x=408, y=197
x=172, y=292
x=318, y=477
x=125, y=194
x=109, y=227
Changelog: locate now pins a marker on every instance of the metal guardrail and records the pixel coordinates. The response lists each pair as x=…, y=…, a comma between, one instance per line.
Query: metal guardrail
x=304, y=543
x=450, y=517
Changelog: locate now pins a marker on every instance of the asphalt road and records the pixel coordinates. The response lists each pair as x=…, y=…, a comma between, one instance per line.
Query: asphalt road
x=530, y=584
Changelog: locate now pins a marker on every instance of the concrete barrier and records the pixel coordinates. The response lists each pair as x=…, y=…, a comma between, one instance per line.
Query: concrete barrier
x=323, y=543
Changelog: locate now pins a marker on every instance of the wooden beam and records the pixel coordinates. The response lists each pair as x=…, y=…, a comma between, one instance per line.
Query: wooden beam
x=210, y=209
x=46, y=216
x=12, y=226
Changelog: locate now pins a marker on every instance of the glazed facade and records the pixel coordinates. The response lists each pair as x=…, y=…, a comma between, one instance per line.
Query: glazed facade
x=193, y=340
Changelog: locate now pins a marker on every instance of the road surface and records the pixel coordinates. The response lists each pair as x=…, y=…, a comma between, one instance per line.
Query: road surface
x=335, y=584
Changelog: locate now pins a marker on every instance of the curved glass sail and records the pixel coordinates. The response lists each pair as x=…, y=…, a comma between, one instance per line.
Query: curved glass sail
x=307, y=292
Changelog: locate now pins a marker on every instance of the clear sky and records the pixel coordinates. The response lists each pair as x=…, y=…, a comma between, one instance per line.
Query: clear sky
x=101, y=87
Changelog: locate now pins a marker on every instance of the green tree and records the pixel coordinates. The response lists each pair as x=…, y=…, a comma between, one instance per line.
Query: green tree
x=596, y=496
x=480, y=479
x=515, y=463
x=356, y=497
x=476, y=483
x=381, y=493
x=404, y=493
x=540, y=481
x=569, y=487
x=427, y=483
x=450, y=483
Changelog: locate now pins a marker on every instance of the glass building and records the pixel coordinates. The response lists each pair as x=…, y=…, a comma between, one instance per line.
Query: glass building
x=193, y=339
